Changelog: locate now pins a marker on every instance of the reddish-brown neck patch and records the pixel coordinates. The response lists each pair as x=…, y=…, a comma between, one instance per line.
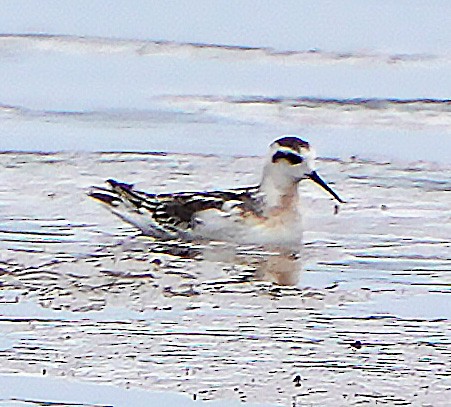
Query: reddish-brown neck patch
x=288, y=203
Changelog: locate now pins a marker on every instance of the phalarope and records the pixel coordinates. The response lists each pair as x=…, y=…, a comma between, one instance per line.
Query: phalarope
x=266, y=214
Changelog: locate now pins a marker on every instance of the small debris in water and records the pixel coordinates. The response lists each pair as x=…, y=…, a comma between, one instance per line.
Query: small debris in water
x=297, y=381
x=331, y=287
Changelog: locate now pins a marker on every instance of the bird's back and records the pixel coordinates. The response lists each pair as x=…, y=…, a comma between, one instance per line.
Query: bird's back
x=173, y=215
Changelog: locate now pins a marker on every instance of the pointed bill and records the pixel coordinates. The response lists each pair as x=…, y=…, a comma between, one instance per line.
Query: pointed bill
x=317, y=179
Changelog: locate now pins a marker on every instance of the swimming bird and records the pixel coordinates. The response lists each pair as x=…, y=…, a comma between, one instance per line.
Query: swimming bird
x=265, y=214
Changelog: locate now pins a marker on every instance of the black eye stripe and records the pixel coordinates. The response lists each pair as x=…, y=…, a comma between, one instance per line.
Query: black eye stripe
x=290, y=157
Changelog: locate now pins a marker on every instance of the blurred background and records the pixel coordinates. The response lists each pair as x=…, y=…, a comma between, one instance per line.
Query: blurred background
x=369, y=79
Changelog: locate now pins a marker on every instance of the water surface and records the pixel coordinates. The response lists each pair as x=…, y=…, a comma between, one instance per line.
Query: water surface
x=368, y=319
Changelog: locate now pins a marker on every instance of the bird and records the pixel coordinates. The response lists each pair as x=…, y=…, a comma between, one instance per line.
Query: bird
x=267, y=214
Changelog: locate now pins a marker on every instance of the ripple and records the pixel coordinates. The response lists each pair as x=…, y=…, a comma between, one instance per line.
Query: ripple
x=82, y=296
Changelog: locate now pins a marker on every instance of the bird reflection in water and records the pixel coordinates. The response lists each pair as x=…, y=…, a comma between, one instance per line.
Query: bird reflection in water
x=280, y=268
x=217, y=259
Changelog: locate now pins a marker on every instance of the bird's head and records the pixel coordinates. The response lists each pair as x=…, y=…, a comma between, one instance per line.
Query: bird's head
x=291, y=160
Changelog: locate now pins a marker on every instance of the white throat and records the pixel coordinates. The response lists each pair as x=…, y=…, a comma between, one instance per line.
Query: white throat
x=280, y=191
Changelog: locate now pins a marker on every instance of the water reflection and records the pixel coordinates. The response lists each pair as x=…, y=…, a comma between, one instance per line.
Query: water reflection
x=281, y=268
x=251, y=263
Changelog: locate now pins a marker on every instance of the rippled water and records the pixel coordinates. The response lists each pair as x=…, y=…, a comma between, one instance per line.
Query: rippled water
x=368, y=320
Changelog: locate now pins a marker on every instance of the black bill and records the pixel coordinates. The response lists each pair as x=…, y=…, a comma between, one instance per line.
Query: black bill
x=316, y=178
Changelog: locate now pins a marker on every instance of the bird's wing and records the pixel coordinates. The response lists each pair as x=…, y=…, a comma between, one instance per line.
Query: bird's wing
x=173, y=213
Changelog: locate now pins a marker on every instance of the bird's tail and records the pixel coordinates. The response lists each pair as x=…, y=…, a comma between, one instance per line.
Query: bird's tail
x=127, y=204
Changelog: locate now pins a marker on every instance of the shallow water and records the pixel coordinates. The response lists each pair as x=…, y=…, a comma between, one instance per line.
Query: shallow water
x=367, y=321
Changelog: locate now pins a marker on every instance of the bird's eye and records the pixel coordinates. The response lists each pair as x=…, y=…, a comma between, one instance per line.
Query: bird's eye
x=292, y=158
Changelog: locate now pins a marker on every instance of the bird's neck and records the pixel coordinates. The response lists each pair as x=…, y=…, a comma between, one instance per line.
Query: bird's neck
x=280, y=195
